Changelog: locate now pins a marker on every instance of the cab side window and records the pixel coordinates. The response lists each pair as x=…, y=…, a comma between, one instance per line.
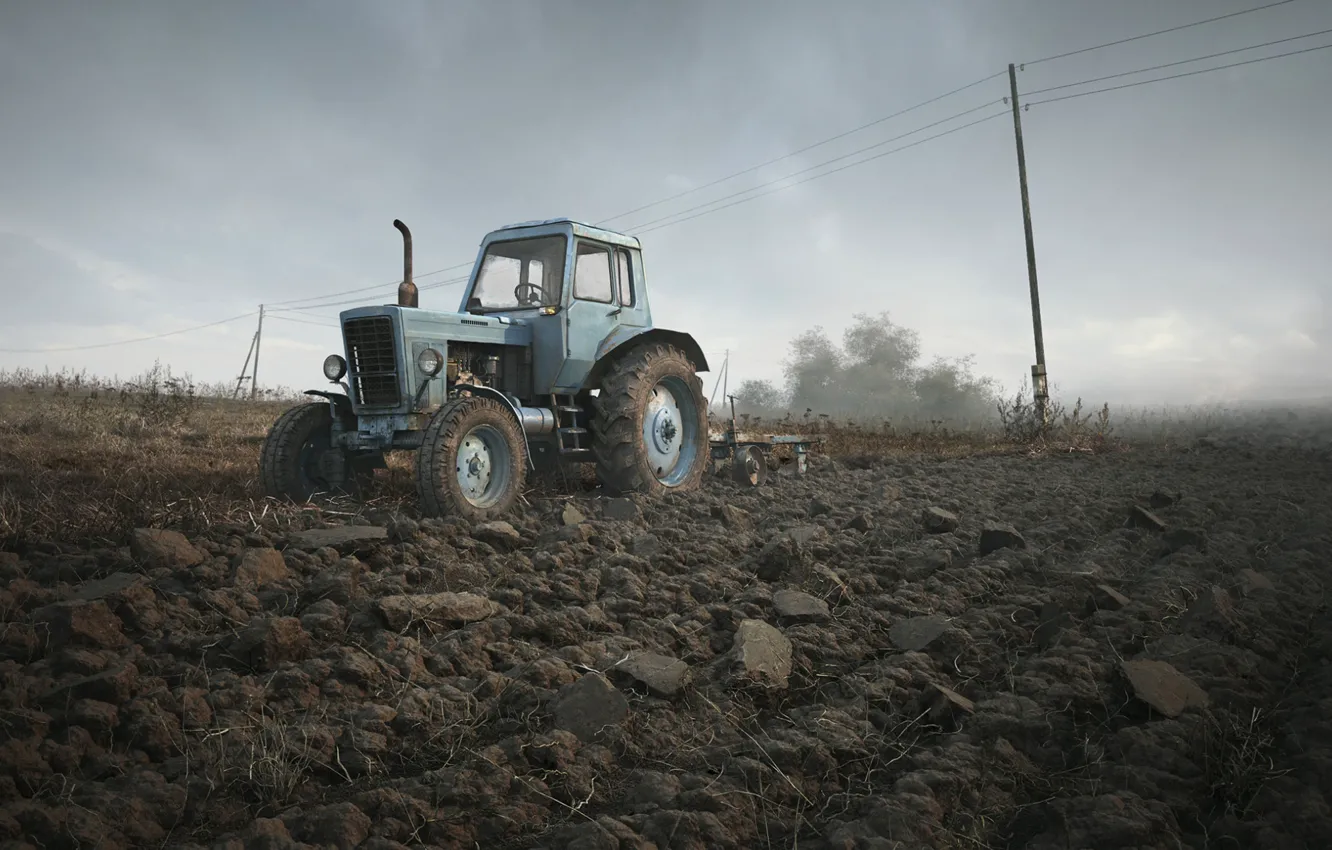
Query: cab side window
x=592, y=274
x=625, y=269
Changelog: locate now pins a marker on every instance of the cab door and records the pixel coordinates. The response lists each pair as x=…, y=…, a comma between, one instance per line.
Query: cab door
x=593, y=312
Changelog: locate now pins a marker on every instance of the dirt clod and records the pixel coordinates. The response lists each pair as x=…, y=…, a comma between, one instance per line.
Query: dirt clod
x=500, y=534
x=447, y=608
x=660, y=675
x=259, y=568
x=996, y=536
x=156, y=547
x=1252, y=581
x=1162, y=687
x=338, y=537
x=81, y=623
x=796, y=606
x=588, y=706
x=1140, y=517
x=762, y=654
x=938, y=520
x=621, y=509
x=915, y=634
x=1106, y=598
x=571, y=515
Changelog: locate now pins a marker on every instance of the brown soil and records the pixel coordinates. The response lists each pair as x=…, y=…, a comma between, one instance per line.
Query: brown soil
x=968, y=676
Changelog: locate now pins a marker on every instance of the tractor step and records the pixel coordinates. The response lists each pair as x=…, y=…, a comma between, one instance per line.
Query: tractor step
x=570, y=442
x=571, y=431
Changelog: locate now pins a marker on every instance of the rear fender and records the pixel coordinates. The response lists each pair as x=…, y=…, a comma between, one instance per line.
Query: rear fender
x=490, y=392
x=622, y=338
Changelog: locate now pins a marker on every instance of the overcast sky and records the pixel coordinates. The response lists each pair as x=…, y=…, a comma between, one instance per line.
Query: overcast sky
x=171, y=163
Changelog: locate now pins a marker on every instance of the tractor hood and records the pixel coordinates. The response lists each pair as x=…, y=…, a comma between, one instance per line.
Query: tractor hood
x=413, y=324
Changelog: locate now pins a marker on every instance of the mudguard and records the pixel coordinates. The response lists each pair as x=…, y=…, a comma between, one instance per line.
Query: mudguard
x=623, y=336
x=490, y=392
x=341, y=403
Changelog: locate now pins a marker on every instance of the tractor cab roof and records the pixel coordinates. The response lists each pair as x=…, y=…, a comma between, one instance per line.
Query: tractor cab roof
x=566, y=225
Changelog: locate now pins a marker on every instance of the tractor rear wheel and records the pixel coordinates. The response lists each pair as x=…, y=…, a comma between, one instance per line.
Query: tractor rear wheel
x=294, y=462
x=471, y=461
x=650, y=431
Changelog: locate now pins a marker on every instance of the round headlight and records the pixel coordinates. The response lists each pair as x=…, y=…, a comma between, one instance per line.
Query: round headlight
x=430, y=361
x=334, y=367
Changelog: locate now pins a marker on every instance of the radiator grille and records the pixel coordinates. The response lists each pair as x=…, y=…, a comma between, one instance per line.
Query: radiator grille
x=372, y=361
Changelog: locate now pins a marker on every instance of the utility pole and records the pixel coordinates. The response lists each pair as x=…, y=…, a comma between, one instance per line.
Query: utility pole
x=258, y=337
x=248, y=354
x=726, y=373
x=1038, y=375
x=721, y=373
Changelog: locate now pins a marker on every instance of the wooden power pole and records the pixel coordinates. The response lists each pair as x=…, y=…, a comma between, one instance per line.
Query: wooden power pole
x=258, y=338
x=246, y=367
x=1039, y=383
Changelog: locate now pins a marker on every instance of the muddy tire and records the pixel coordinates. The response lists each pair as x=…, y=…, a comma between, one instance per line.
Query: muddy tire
x=289, y=462
x=471, y=462
x=650, y=430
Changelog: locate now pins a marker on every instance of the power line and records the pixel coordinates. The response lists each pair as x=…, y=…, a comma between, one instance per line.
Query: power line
x=303, y=321
x=363, y=288
x=677, y=196
x=646, y=226
x=128, y=341
x=1178, y=76
x=1174, y=64
x=665, y=221
x=361, y=301
x=1156, y=33
x=947, y=132
x=799, y=151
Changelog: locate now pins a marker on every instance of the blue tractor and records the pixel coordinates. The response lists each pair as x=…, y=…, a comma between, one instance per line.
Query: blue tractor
x=551, y=357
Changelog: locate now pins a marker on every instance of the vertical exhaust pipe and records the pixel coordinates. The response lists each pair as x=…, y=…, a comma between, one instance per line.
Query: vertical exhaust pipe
x=407, y=289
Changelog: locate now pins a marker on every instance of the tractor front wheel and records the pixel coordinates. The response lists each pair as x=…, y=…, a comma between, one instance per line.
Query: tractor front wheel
x=650, y=433
x=471, y=461
x=296, y=463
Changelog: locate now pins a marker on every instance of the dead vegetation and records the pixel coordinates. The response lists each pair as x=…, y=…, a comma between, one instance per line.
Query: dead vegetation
x=87, y=458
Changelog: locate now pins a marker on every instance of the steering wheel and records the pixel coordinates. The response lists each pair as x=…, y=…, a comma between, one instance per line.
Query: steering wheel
x=520, y=293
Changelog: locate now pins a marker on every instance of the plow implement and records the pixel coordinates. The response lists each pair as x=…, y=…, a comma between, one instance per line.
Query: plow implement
x=752, y=455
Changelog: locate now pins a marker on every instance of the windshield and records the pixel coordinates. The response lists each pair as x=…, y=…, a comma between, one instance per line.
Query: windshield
x=520, y=274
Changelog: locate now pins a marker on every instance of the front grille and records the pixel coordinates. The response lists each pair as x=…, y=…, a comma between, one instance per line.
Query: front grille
x=372, y=362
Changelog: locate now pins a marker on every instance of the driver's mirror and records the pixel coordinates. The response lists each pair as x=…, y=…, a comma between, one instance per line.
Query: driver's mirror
x=473, y=303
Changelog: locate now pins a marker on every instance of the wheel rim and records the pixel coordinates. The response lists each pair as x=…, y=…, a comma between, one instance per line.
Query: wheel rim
x=670, y=431
x=750, y=466
x=308, y=469
x=483, y=466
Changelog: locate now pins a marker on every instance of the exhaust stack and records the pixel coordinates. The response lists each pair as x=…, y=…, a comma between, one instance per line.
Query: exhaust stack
x=407, y=291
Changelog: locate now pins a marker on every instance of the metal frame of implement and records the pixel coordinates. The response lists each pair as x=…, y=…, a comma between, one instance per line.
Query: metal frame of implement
x=749, y=458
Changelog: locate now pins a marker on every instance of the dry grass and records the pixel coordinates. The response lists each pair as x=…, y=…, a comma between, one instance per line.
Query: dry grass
x=85, y=459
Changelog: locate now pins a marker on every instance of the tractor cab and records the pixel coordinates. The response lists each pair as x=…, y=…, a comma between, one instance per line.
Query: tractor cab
x=575, y=284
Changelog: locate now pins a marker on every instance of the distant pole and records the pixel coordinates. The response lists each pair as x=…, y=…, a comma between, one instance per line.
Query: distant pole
x=258, y=338
x=726, y=373
x=1038, y=375
x=721, y=374
x=248, y=354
